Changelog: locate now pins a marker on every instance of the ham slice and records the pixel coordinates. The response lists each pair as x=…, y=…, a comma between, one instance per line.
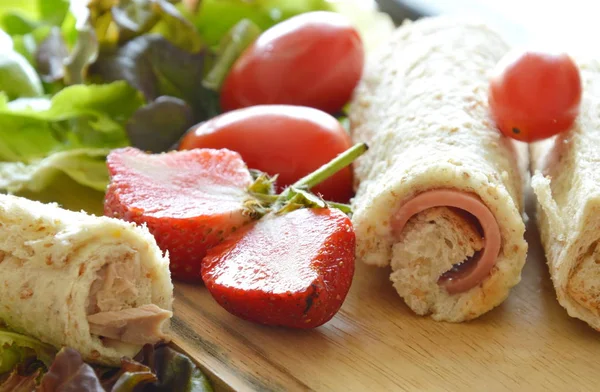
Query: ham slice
x=469, y=274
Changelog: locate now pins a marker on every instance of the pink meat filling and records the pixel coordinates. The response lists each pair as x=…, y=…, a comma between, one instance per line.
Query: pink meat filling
x=469, y=274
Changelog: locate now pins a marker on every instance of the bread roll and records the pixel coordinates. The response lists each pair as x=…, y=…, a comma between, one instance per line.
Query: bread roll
x=67, y=277
x=566, y=183
x=440, y=191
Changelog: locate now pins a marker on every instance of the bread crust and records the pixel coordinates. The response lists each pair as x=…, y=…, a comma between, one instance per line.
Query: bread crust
x=422, y=109
x=49, y=260
x=566, y=182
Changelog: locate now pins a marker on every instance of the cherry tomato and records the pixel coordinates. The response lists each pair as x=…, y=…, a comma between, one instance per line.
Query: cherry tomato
x=291, y=141
x=535, y=95
x=313, y=59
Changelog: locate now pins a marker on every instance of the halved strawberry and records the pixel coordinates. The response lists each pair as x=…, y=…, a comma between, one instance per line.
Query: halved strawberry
x=291, y=269
x=190, y=200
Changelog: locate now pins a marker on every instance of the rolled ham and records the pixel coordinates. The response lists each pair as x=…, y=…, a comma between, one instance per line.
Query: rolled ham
x=98, y=285
x=440, y=191
x=566, y=183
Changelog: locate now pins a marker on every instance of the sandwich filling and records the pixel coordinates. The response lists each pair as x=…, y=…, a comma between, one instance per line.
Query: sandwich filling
x=112, y=311
x=462, y=223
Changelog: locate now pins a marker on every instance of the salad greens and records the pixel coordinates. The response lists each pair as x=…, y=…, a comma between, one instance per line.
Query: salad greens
x=28, y=365
x=16, y=348
x=214, y=18
x=81, y=77
x=72, y=132
x=17, y=77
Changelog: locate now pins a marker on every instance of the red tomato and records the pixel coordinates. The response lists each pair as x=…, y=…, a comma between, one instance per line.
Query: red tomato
x=535, y=95
x=313, y=59
x=291, y=141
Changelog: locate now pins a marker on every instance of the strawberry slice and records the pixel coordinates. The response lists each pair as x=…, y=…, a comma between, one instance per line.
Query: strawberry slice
x=290, y=270
x=189, y=200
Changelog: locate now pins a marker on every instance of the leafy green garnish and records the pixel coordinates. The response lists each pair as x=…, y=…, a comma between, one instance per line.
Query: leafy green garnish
x=86, y=166
x=214, y=18
x=17, y=76
x=16, y=348
x=71, y=134
x=175, y=54
x=155, y=369
x=167, y=117
x=158, y=68
x=232, y=45
x=69, y=372
x=119, y=21
x=16, y=382
x=20, y=17
x=173, y=371
x=51, y=55
x=78, y=117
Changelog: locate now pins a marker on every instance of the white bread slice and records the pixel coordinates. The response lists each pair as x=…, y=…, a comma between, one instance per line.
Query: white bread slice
x=432, y=242
x=566, y=182
x=49, y=261
x=422, y=109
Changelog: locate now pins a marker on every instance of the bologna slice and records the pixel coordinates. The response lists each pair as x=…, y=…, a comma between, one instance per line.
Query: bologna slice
x=96, y=284
x=566, y=183
x=440, y=191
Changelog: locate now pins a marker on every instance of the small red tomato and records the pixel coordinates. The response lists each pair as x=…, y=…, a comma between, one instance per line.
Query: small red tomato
x=291, y=141
x=313, y=59
x=535, y=95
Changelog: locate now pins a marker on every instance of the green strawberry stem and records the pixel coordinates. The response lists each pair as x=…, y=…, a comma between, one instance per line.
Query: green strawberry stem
x=345, y=208
x=329, y=169
x=296, y=195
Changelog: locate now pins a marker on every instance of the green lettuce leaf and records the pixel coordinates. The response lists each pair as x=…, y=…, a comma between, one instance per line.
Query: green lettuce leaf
x=158, y=369
x=85, y=166
x=214, y=18
x=69, y=135
x=174, y=370
x=17, y=76
x=5, y=41
x=15, y=348
x=69, y=194
x=19, y=17
x=244, y=33
x=80, y=116
x=119, y=21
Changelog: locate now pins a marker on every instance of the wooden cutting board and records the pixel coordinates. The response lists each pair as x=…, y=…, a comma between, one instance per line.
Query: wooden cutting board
x=375, y=343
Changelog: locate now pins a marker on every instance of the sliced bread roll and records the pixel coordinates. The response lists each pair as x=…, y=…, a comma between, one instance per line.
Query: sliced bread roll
x=95, y=284
x=440, y=191
x=566, y=183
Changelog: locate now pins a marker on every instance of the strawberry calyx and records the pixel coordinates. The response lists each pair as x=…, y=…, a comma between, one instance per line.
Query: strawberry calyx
x=263, y=200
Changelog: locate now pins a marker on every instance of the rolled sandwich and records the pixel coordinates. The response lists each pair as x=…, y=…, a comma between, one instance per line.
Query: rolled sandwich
x=440, y=191
x=567, y=187
x=96, y=284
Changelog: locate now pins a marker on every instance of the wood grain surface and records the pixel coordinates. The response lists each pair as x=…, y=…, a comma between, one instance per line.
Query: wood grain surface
x=375, y=343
